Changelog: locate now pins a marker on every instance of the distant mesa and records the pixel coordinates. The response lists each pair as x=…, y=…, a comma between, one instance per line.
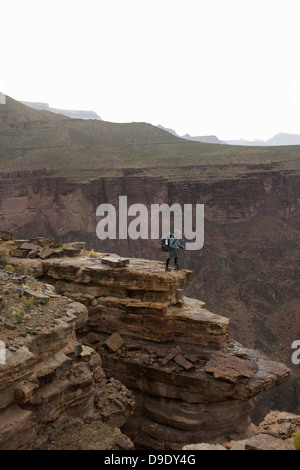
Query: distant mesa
x=284, y=139
x=167, y=129
x=76, y=114
x=279, y=139
x=208, y=139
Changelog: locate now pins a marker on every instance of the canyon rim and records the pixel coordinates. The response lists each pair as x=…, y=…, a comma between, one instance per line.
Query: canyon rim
x=54, y=173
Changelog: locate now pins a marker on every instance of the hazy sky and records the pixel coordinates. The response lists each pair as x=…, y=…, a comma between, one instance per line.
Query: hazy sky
x=224, y=67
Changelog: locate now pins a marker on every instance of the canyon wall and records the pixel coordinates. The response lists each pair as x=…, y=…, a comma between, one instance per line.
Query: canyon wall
x=248, y=269
x=67, y=207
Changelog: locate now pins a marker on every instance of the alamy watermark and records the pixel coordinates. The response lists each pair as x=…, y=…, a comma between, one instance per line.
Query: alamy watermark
x=296, y=354
x=188, y=219
x=2, y=98
x=2, y=352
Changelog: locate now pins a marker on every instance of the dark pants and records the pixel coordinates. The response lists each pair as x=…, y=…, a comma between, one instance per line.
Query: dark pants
x=172, y=254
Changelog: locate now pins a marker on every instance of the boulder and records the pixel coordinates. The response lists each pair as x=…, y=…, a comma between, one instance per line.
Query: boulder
x=267, y=442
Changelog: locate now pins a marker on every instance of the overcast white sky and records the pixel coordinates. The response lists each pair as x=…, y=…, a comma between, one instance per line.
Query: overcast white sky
x=224, y=67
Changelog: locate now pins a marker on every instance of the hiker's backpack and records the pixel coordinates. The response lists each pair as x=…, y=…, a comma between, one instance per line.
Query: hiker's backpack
x=165, y=243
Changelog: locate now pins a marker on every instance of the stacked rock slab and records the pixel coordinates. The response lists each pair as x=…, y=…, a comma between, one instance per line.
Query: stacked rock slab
x=52, y=381
x=48, y=380
x=190, y=382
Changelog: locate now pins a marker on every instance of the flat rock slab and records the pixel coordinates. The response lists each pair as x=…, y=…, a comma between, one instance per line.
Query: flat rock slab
x=114, y=261
x=130, y=305
x=72, y=252
x=38, y=296
x=230, y=368
x=42, y=241
x=18, y=243
x=174, y=352
x=16, y=252
x=46, y=253
x=240, y=445
x=193, y=310
x=267, y=442
x=139, y=274
x=77, y=245
x=181, y=361
x=114, y=342
x=28, y=246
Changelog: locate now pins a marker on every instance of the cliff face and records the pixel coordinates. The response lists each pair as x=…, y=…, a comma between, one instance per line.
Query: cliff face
x=68, y=207
x=190, y=381
x=248, y=269
x=49, y=382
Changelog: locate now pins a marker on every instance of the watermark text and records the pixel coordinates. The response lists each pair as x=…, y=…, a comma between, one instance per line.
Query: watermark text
x=136, y=222
x=2, y=352
x=296, y=353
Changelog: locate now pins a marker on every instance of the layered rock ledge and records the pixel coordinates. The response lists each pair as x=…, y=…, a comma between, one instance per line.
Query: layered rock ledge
x=48, y=380
x=190, y=382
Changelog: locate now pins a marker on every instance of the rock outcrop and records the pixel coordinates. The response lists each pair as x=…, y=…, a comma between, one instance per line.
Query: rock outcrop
x=48, y=380
x=274, y=433
x=190, y=381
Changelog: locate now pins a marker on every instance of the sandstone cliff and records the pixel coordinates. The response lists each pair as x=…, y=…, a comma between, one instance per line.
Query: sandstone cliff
x=190, y=381
x=50, y=384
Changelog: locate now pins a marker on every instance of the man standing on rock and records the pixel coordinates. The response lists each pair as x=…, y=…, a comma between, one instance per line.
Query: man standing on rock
x=174, y=246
